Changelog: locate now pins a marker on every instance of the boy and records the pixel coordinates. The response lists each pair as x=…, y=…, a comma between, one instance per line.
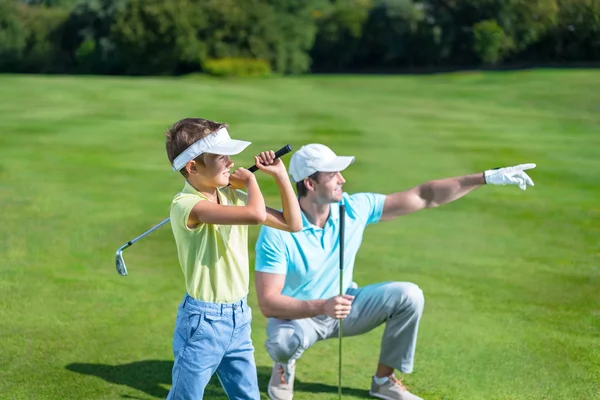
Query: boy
x=210, y=225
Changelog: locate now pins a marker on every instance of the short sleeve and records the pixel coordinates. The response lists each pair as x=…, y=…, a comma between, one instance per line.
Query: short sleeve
x=271, y=254
x=368, y=205
x=180, y=209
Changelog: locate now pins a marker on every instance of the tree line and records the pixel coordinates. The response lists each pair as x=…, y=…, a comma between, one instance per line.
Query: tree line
x=261, y=37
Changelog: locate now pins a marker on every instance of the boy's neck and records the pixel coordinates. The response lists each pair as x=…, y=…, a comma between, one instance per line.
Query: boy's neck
x=315, y=212
x=208, y=190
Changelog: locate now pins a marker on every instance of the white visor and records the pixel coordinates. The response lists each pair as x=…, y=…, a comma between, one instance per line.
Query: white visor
x=215, y=143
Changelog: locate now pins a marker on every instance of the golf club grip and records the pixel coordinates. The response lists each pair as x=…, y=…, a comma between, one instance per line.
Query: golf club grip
x=281, y=152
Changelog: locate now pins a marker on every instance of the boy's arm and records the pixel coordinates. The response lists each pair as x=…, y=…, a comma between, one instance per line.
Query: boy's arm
x=290, y=219
x=253, y=213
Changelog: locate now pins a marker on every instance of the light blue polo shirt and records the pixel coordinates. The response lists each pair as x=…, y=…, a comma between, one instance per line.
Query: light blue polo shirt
x=310, y=258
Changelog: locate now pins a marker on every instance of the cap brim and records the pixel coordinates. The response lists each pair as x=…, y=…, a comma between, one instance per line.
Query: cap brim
x=229, y=147
x=339, y=163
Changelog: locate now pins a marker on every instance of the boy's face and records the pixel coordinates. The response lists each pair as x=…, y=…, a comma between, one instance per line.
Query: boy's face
x=216, y=170
x=328, y=188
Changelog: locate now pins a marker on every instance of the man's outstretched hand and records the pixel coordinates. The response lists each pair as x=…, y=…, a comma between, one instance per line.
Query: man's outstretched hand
x=509, y=176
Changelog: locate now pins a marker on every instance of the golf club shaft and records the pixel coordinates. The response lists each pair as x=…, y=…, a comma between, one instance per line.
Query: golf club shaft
x=147, y=232
x=342, y=226
x=284, y=150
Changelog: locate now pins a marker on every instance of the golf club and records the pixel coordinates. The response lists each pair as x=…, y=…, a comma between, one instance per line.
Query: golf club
x=342, y=218
x=120, y=262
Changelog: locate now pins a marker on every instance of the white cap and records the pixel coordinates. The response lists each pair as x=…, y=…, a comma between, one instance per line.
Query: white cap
x=316, y=158
x=216, y=143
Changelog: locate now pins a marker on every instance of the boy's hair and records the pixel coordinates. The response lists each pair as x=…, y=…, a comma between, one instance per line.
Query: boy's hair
x=182, y=134
x=301, y=187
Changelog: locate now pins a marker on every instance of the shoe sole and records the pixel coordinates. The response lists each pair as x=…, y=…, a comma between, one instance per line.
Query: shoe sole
x=277, y=398
x=380, y=396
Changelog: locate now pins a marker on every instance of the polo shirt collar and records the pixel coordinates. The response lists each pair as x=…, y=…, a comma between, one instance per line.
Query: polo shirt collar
x=189, y=189
x=334, y=216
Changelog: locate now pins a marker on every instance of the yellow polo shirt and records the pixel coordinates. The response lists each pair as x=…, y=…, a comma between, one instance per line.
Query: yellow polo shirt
x=213, y=258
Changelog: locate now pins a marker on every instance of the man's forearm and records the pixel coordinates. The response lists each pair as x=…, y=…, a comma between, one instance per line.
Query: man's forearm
x=285, y=307
x=444, y=191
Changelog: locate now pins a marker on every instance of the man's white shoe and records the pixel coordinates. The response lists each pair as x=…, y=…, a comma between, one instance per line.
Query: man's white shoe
x=281, y=384
x=392, y=389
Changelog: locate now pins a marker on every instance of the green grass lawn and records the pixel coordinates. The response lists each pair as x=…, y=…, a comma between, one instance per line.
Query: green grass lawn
x=511, y=278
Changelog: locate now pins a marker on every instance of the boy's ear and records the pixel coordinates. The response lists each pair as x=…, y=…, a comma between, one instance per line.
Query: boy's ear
x=191, y=167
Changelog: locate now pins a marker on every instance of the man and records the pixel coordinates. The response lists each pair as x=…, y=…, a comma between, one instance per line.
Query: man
x=297, y=274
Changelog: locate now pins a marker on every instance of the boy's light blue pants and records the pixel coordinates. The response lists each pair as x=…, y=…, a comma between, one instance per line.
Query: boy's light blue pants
x=209, y=338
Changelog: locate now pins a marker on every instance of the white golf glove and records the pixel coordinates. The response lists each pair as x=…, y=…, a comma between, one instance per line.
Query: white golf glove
x=509, y=176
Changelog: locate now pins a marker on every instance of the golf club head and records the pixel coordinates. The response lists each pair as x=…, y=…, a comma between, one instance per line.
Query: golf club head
x=120, y=263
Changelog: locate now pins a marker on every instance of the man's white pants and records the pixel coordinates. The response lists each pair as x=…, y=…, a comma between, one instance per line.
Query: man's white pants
x=397, y=304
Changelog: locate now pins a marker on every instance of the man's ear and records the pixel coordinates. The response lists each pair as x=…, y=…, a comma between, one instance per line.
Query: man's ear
x=310, y=184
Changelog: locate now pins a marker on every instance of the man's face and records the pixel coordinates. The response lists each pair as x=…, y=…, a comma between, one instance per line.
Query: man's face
x=328, y=187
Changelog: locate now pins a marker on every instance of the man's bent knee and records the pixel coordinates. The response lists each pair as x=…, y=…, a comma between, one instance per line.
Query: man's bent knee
x=415, y=296
x=408, y=296
x=284, y=344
